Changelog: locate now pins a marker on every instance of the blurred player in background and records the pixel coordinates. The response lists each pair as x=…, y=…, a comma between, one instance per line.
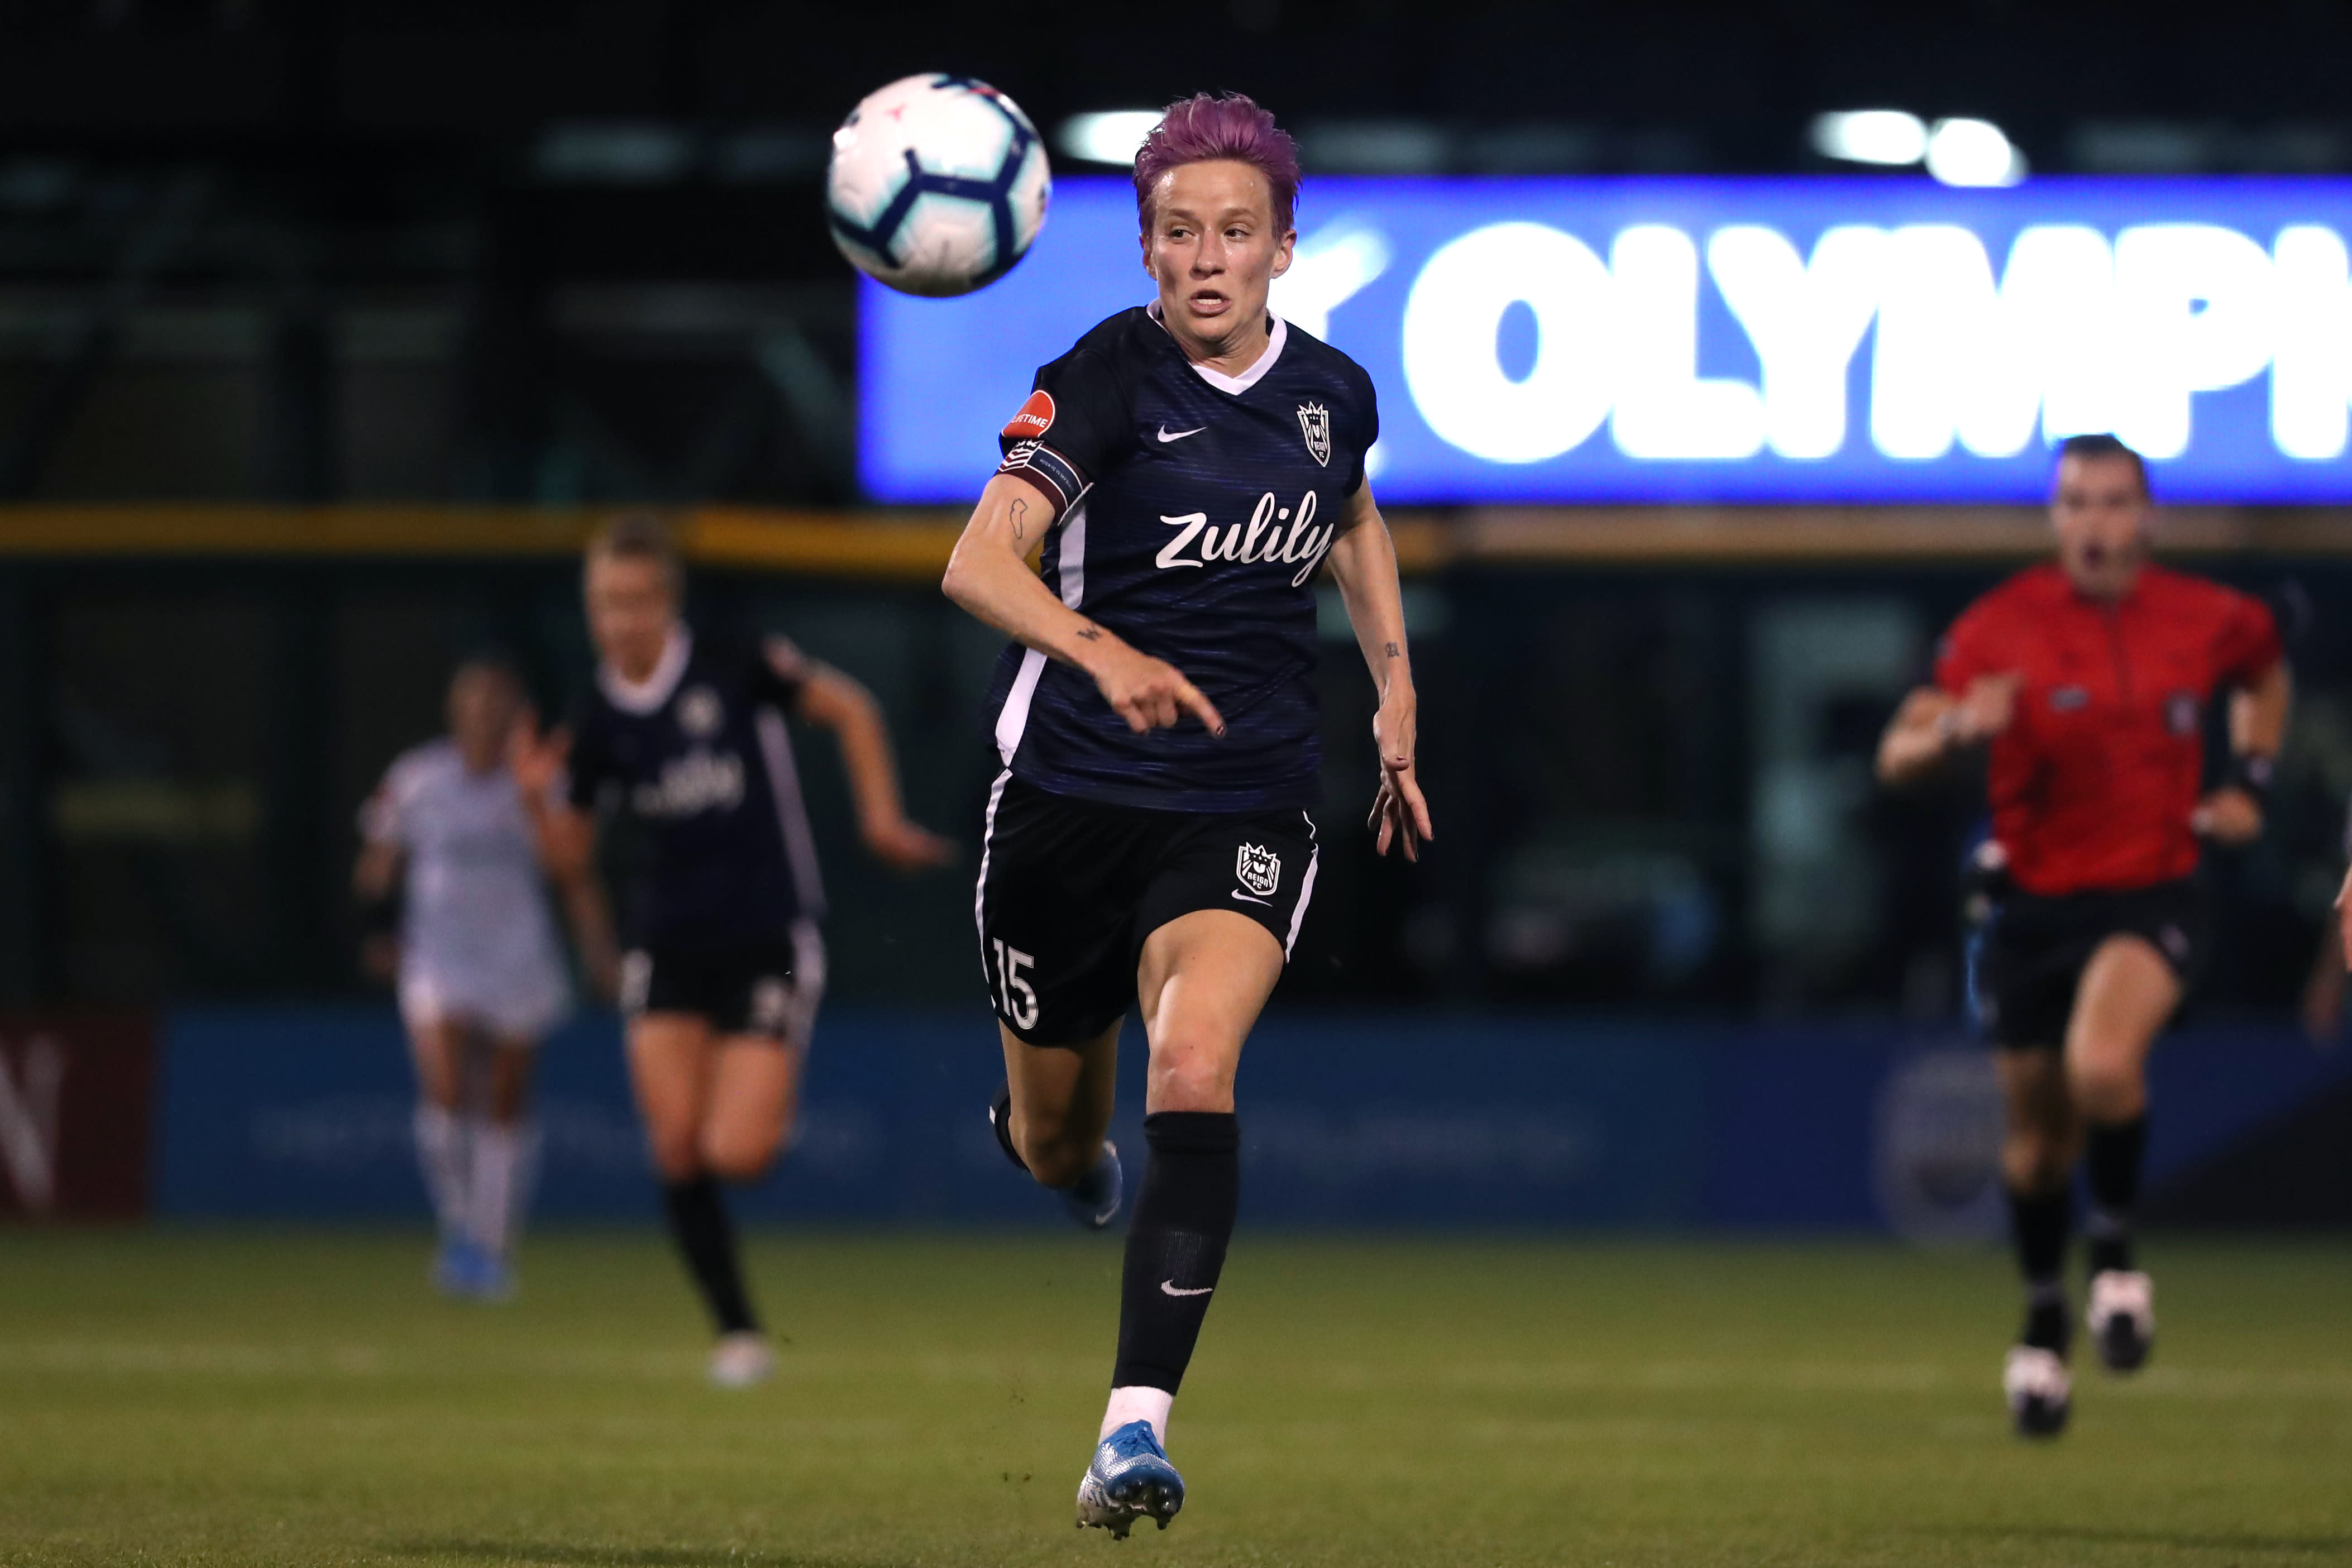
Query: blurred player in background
x=479, y=970
x=725, y=967
x=2089, y=680
x=1188, y=468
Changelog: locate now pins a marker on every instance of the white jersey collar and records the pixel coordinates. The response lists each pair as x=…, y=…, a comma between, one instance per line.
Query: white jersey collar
x=643, y=697
x=1275, y=339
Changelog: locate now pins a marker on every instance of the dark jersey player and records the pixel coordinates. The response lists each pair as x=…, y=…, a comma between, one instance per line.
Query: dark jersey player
x=1189, y=468
x=724, y=968
x=2089, y=680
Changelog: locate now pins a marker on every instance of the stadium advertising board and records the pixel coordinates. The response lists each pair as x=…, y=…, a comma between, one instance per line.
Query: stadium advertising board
x=1767, y=340
x=76, y=1103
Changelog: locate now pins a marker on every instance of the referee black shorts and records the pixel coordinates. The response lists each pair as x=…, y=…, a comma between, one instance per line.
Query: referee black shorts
x=1069, y=890
x=2026, y=960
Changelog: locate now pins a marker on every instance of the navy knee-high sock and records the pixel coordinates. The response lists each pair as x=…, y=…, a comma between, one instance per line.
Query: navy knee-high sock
x=697, y=1218
x=1176, y=1244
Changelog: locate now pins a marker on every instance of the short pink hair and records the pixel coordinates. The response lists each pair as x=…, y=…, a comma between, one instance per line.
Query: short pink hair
x=1203, y=129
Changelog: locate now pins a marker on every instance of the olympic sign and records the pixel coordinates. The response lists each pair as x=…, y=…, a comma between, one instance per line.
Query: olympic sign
x=1737, y=340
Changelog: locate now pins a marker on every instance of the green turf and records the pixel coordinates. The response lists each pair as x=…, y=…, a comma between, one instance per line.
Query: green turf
x=243, y=1398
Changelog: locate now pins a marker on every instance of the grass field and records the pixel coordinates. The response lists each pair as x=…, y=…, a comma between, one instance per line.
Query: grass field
x=232, y=1398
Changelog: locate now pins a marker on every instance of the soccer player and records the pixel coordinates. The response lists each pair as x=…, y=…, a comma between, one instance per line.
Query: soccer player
x=2089, y=680
x=1188, y=468
x=480, y=972
x=725, y=967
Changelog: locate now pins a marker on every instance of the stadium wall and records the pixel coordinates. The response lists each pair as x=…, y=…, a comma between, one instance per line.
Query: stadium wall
x=1350, y=1120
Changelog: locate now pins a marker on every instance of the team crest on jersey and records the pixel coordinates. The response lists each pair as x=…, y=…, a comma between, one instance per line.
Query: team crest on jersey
x=1315, y=424
x=699, y=713
x=1258, y=869
x=2180, y=712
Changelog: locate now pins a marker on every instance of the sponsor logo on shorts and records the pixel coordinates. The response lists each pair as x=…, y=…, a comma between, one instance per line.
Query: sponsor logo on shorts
x=772, y=1006
x=637, y=980
x=1258, y=869
x=699, y=713
x=1036, y=416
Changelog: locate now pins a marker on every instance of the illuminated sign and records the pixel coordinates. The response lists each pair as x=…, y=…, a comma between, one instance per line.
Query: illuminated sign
x=1756, y=339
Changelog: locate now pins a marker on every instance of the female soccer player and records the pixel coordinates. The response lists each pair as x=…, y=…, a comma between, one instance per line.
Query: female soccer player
x=480, y=972
x=2089, y=680
x=725, y=967
x=1189, y=466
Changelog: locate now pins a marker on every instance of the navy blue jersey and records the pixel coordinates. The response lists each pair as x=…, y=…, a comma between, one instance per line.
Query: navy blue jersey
x=698, y=757
x=1190, y=512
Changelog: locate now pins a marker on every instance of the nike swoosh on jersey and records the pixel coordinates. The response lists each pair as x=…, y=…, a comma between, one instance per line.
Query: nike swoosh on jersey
x=1244, y=898
x=1170, y=1287
x=1179, y=434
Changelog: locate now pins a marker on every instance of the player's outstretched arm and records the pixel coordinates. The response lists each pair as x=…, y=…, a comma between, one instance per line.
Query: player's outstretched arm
x=1932, y=725
x=841, y=704
x=1364, y=565
x=989, y=576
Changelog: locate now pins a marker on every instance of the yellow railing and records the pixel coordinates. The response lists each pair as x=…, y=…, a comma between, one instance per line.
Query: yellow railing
x=911, y=545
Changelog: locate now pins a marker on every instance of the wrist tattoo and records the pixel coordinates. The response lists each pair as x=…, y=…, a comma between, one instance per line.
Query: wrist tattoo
x=1392, y=650
x=1091, y=633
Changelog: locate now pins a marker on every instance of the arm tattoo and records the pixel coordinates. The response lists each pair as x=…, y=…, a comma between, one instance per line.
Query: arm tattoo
x=1019, y=509
x=1392, y=650
x=1091, y=633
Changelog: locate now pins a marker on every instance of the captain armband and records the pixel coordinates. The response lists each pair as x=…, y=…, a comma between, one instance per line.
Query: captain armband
x=1053, y=474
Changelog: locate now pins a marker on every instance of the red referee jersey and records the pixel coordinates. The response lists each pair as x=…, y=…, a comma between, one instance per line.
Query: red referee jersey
x=2093, y=783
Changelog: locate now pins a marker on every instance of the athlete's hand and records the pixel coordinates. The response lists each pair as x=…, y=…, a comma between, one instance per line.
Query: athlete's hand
x=1399, y=812
x=2228, y=816
x=537, y=760
x=1150, y=693
x=903, y=846
x=1985, y=709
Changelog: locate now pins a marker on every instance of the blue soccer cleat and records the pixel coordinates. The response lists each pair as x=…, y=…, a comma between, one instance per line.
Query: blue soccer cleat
x=1094, y=1198
x=1129, y=1478
x=458, y=1267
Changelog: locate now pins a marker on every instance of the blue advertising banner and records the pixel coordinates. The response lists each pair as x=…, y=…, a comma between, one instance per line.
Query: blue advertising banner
x=1360, y=1121
x=1659, y=340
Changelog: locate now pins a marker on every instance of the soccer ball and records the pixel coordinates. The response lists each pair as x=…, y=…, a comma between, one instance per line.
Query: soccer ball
x=938, y=185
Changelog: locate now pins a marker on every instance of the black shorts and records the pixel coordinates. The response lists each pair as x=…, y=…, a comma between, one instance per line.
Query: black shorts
x=766, y=987
x=2027, y=958
x=1069, y=890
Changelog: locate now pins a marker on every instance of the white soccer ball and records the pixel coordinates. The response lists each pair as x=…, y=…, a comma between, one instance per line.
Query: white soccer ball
x=938, y=185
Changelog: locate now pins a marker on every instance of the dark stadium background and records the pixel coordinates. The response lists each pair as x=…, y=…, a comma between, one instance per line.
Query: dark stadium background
x=570, y=256
x=327, y=329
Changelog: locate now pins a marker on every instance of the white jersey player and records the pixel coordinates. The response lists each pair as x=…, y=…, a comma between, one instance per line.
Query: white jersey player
x=481, y=971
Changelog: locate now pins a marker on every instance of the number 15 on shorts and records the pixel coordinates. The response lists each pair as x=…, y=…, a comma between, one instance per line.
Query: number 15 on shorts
x=1016, y=998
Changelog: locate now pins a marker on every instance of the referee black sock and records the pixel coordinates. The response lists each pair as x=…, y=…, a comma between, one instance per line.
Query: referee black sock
x=1176, y=1243
x=2113, y=1154
x=2038, y=1222
x=697, y=1218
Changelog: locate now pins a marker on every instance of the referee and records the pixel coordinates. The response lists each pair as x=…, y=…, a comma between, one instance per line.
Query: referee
x=2088, y=681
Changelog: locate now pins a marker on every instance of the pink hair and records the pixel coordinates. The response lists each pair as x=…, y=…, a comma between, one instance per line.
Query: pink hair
x=1202, y=129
